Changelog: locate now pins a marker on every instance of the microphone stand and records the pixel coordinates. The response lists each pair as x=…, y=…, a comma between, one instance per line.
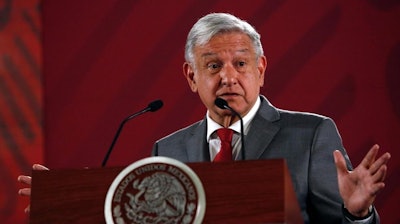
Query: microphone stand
x=221, y=103
x=153, y=106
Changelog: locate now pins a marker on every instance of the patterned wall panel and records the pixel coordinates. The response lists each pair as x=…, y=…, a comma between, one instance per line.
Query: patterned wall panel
x=21, y=137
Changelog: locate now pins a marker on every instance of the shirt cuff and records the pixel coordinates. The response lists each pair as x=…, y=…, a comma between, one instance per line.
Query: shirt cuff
x=359, y=220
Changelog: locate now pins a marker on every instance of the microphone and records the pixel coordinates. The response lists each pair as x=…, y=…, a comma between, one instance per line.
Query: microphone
x=221, y=103
x=152, y=107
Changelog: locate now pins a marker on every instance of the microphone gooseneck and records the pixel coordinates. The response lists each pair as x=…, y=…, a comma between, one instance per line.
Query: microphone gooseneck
x=221, y=103
x=152, y=107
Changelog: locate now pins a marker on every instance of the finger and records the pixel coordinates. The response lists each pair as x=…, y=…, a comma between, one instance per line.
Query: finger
x=340, y=162
x=25, y=179
x=384, y=173
x=370, y=157
x=380, y=175
x=27, y=209
x=379, y=163
x=375, y=188
x=39, y=167
x=25, y=192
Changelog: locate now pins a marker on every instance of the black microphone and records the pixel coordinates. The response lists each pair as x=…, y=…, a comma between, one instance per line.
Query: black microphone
x=153, y=106
x=221, y=103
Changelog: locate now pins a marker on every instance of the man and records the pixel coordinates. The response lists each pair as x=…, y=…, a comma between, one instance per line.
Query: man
x=225, y=59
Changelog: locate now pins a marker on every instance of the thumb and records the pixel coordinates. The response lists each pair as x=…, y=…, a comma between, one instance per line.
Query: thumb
x=340, y=162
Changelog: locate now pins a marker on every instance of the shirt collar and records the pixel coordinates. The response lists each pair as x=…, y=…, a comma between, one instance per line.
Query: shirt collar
x=212, y=126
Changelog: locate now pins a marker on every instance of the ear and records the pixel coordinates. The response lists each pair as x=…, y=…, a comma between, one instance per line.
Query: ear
x=262, y=66
x=188, y=72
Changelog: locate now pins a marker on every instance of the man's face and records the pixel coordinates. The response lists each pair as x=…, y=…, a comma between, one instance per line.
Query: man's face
x=226, y=67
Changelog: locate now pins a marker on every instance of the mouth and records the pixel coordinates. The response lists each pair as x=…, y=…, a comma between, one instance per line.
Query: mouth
x=227, y=96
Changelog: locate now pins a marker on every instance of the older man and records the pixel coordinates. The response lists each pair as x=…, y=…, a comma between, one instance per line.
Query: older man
x=224, y=59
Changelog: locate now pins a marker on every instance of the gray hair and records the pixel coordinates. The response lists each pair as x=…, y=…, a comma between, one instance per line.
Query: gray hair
x=215, y=23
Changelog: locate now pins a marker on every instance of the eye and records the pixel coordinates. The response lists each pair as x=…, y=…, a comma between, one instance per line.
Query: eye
x=241, y=66
x=214, y=67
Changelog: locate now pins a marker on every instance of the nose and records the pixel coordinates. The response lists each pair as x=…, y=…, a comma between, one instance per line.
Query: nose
x=228, y=75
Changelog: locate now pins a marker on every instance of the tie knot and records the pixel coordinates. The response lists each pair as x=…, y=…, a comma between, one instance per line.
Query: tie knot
x=225, y=134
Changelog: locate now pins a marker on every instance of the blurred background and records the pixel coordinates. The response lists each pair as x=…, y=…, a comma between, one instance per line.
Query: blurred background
x=71, y=71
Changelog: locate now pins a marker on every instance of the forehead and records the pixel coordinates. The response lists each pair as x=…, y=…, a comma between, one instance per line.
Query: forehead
x=232, y=42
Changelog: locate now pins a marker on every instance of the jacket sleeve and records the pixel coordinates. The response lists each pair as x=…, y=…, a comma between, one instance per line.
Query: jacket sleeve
x=324, y=200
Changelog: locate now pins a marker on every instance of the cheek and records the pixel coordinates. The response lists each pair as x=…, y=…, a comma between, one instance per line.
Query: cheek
x=252, y=85
x=207, y=89
x=257, y=79
x=208, y=84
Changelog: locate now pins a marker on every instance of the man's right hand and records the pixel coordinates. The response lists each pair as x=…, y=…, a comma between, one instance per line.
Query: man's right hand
x=28, y=180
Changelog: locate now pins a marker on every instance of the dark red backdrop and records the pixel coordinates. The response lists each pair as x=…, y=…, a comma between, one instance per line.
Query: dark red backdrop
x=106, y=60
x=103, y=60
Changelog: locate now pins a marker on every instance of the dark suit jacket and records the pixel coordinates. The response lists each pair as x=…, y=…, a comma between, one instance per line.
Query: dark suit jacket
x=305, y=140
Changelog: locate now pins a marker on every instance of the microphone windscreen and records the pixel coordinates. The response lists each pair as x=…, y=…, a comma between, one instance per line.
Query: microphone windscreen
x=221, y=103
x=155, y=105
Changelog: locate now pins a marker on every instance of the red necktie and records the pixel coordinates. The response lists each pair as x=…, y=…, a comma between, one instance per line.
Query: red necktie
x=225, y=153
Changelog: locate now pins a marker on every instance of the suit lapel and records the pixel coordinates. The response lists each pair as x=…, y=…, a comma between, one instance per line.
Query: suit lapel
x=196, y=146
x=263, y=129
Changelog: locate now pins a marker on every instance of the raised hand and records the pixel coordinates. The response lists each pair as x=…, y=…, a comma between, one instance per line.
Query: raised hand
x=360, y=186
x=28, y=180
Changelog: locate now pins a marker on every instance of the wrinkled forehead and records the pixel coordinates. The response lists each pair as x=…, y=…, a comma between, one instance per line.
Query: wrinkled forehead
x=234, y=43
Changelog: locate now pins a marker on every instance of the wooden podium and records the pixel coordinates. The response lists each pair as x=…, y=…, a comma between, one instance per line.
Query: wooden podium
x=236, y=192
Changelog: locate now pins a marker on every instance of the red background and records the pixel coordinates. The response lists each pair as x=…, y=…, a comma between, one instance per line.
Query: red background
x=103, y=60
